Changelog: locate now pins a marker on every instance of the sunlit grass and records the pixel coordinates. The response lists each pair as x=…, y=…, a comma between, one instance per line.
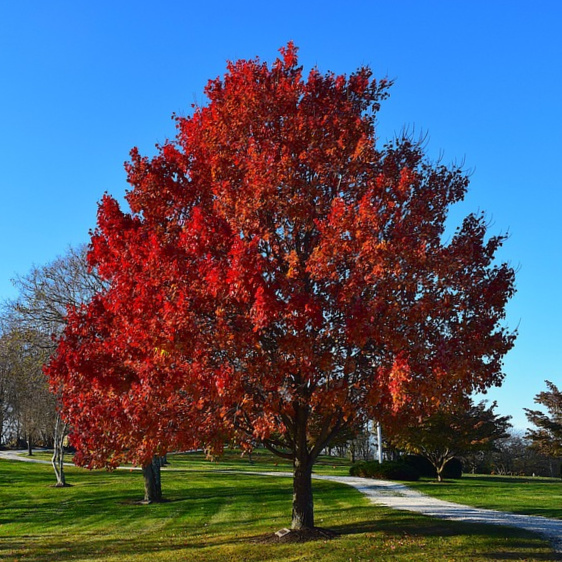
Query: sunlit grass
x=213, y=515
x=517, y=494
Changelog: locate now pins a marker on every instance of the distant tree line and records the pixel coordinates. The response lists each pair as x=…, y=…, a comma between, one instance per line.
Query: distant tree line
x=483, y=441
x=27, y=408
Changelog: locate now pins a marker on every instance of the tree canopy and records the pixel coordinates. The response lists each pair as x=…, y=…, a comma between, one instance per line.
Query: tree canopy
x=452, y=432
x=278, y=278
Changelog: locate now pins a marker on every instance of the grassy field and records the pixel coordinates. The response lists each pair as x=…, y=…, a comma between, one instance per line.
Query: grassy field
x=213, y=515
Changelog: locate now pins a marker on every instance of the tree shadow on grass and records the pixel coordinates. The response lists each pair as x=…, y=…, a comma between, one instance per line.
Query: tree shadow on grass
x=404, y=532
x=206, y=543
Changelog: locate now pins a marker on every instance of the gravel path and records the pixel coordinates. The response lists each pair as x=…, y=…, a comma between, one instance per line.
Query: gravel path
x=399, y=496
x=22, y=456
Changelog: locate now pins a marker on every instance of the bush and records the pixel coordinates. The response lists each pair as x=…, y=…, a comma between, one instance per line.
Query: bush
x=453, y=468
x=422, y=465
x=388, y=470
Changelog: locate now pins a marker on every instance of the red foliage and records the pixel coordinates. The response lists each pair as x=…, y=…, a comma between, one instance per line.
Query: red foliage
x=282, y=276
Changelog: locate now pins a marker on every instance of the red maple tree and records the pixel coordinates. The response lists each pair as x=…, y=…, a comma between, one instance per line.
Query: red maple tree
x=283, y=275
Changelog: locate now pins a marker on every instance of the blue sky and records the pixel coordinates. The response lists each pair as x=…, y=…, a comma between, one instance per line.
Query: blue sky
x=82, y=83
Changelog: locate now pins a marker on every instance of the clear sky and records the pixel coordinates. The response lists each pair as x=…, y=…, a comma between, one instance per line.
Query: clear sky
x=81, y=83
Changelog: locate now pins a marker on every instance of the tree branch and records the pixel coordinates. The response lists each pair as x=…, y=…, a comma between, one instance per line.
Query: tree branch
x=269, y=446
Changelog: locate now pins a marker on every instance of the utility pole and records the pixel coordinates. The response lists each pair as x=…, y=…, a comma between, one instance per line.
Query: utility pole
x=379, y=442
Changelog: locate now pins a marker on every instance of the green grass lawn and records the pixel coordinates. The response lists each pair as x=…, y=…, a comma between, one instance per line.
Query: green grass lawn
x=517, y=494
x=213, y=515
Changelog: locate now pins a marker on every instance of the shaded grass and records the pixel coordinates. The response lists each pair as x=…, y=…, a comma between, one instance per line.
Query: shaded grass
x=261, y=460
x=215, y=516
x=516, y=494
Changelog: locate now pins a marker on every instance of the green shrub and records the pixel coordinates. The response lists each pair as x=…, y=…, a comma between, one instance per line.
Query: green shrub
x=388, y=470
x=422, y=465
x=453, y=468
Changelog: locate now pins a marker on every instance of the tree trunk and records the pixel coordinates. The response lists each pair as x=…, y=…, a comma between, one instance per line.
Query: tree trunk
x=440, y=467
x=152, y=481
x=352, y=452
x=29, y=446
x=303, y=505
x=379, y=442
x=1, y=418
x=58, y=452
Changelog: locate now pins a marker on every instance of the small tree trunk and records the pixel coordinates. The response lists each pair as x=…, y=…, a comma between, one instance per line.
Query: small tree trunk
x=58, y=452
x=29, y=446
x=352, y=451
x=152, y=481
x=440, y=467
x=1, y=419
x=379, y=442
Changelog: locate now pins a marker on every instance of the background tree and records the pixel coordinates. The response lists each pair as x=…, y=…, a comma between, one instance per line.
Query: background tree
x=512, y=455
x=27, y=405
x=277, y=260
x=353, y=441
x=38, y=316
x=451, y=433
x=547, y=438
x=46, y=292
x=6, y=388
x=516, y=456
